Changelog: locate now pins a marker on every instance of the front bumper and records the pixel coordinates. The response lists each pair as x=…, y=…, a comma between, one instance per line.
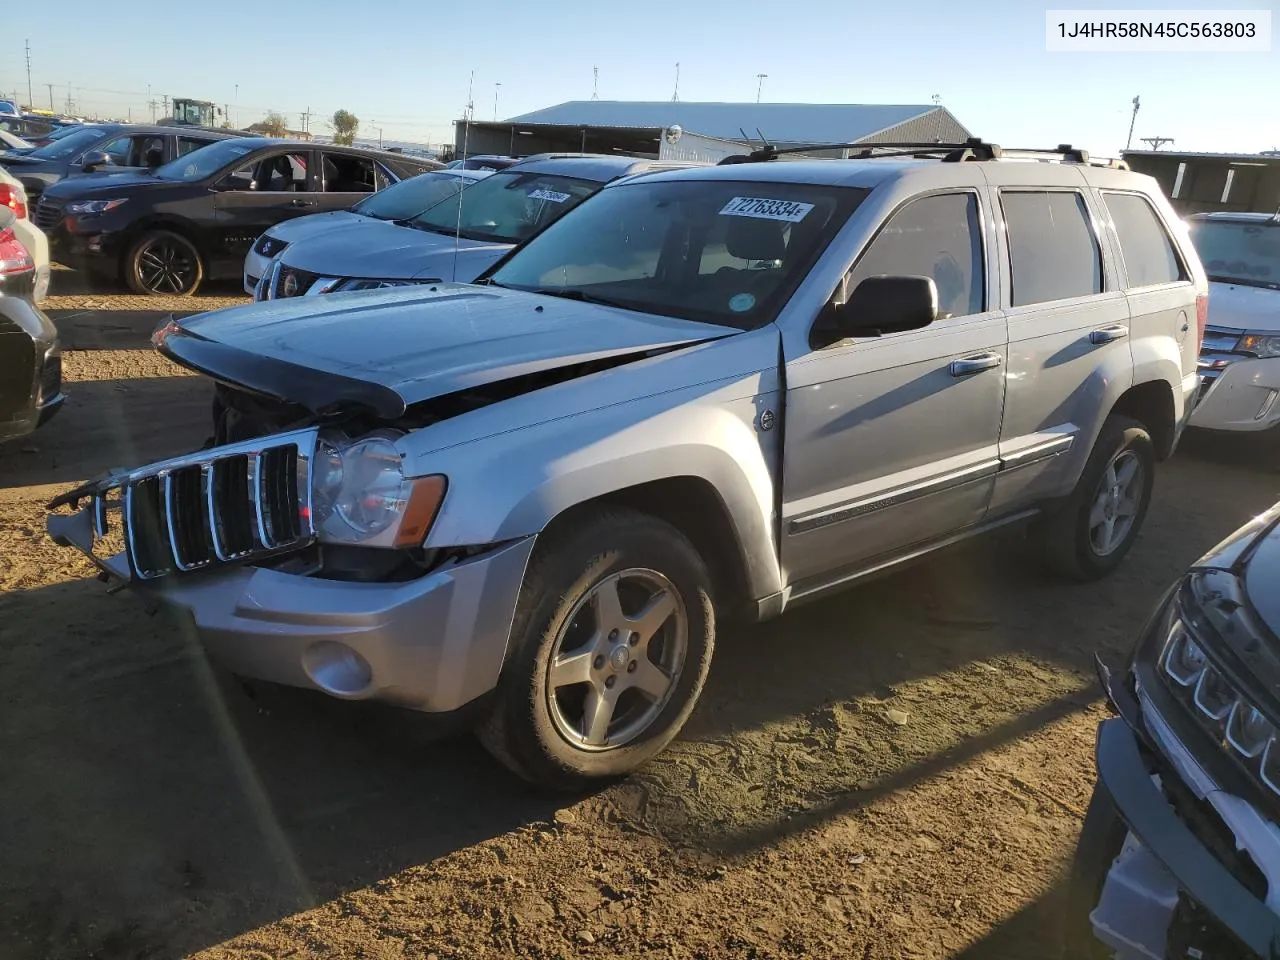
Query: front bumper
x=434, y=644
x=1243, y=395
x=255, y=265
x=84, y=248
x=1164, y=873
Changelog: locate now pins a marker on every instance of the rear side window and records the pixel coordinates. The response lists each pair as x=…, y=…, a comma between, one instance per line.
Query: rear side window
x=1149, y=256
x=1054, y=253
x=938, y=236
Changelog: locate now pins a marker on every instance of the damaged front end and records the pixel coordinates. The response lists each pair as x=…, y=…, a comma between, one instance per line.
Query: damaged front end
x=1180, y=852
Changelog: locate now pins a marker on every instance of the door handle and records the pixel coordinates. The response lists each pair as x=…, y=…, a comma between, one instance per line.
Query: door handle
x=299, y=202
x=1108, y=335
x=971, y=365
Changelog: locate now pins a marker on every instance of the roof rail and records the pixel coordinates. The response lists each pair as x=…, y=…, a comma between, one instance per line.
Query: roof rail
x=972, y=149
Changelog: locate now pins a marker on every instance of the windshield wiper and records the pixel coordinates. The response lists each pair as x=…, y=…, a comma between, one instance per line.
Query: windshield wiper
x=571, y=293
x=1245, y=281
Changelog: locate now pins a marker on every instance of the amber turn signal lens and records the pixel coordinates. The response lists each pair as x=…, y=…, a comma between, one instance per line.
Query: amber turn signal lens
x=424, y=503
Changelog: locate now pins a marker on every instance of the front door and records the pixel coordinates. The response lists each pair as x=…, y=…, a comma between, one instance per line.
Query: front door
x=267, y=189
x=891, y=442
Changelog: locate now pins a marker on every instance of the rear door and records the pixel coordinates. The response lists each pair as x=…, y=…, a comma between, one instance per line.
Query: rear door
x=1068, y=334
x=345, y=179
x=268, y=187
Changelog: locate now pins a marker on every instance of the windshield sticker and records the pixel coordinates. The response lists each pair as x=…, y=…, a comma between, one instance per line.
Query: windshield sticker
x=549, y=195
x=760, y=208
x=741, y=302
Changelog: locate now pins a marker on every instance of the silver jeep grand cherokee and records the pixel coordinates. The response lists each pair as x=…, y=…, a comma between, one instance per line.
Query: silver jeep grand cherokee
x=703, y=392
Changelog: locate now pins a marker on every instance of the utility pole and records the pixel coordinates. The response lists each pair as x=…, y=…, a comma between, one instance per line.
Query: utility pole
x=165, y=98
x=1132, y=120
x=760, y=79
x=306, y=121
x=50, y=86
x=495, y=101
x=69, y=110
x=379, y=138
x=30, y=99
x=152, y=104
x=471, y=103
x=675, y=94
x=595, y=83
x=1157, y=142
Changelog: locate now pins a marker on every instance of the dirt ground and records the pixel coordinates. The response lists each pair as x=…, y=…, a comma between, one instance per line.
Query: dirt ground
x=154, y=807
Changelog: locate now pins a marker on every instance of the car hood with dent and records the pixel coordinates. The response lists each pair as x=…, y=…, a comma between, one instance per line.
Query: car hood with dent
x=1238, y=306
x=388, y=349
x=381, y=250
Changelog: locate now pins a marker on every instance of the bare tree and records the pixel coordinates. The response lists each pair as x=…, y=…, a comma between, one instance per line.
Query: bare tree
x=274, y=125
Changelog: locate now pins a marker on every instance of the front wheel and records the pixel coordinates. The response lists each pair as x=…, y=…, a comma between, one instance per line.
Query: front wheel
x=611, y=644
x=1089, y=535
x=163, y=262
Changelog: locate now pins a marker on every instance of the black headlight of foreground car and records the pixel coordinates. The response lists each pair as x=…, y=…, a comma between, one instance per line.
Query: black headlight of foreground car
x=1209, y=658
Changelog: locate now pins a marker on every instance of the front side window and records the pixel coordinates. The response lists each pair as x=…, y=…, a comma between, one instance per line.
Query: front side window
x=1236, y=252
x=1149, y=256
x=1052, y=246
x=507, y=207
x=715, y=251
x=277, y=173
x=118, y=150
x=940, y=237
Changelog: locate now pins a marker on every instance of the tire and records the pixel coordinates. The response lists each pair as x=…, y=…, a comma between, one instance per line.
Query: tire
x=540, y=728
x=1069, y=537
x=163, y=262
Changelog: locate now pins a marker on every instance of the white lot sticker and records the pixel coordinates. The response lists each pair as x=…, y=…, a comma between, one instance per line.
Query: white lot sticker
x=761, y=208
x=549, y=195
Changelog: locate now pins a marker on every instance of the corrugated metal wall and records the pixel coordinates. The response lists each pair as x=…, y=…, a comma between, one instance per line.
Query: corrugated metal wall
x=937, y=125
x=692, y=147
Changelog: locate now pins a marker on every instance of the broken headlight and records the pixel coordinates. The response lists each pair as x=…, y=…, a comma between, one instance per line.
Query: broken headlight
x=360, y=494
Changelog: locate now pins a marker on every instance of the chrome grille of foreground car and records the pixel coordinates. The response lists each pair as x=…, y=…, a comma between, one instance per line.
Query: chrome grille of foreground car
x=238, y=502
x=1218, y=351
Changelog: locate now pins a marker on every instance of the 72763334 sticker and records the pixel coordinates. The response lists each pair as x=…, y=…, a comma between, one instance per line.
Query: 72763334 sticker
x=762, y=208
x=550, y=195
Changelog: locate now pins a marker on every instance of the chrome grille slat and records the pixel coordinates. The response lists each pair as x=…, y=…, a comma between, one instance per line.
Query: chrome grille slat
x=239, y=502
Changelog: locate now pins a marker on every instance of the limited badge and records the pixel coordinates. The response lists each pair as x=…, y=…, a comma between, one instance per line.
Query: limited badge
x=766, y=420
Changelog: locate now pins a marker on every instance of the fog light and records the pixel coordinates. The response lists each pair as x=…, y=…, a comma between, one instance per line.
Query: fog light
x=94, y=244
x=337, y=669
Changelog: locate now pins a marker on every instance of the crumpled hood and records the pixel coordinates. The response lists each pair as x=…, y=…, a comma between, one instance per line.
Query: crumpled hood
x=379, y=250
x=1240, y=307
x=388, y=349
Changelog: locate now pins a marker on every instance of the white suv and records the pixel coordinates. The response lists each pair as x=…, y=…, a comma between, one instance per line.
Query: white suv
x=1240, y=360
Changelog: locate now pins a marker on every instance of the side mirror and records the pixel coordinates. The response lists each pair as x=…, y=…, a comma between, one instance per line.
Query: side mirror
x=95, y=159
x=880, y=305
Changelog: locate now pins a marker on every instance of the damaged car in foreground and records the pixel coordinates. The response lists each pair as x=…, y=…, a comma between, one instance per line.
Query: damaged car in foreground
x=700, y=393
x=1180, y=852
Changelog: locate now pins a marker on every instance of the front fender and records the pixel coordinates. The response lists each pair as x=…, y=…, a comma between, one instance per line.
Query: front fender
x=512, y=484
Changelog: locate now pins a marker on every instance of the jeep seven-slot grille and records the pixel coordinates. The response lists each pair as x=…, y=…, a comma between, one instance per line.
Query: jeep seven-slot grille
x=222, y=505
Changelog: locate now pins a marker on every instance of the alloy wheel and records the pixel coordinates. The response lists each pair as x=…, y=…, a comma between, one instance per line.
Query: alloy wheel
x=1116, y=503
x=166, y=266
x=617, y=660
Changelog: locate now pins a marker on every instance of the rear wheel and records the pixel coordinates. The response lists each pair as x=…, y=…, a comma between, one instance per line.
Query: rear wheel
x=1089, y=534
x=611, y=645
x=163, y=262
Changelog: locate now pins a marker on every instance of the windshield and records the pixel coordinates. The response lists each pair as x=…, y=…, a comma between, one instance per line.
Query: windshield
x=717, y=251
x=408, y=198
x=75, y=142
x=507, y=207
x=204, y=162
x=1244, y=253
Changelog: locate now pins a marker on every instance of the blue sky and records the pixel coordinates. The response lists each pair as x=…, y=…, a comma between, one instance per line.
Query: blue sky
x=405, y=66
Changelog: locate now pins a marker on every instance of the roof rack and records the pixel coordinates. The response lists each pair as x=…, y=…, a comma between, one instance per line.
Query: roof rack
x=972, y=149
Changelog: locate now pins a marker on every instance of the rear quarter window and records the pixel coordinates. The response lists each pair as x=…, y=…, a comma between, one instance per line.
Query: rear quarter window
x=1149, y=255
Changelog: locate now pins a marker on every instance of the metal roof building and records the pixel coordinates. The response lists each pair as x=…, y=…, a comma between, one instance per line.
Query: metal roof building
x=1202, y=182
x=680, y=130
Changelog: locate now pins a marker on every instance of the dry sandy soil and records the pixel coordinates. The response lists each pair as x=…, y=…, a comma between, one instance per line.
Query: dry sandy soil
x=153, y=807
